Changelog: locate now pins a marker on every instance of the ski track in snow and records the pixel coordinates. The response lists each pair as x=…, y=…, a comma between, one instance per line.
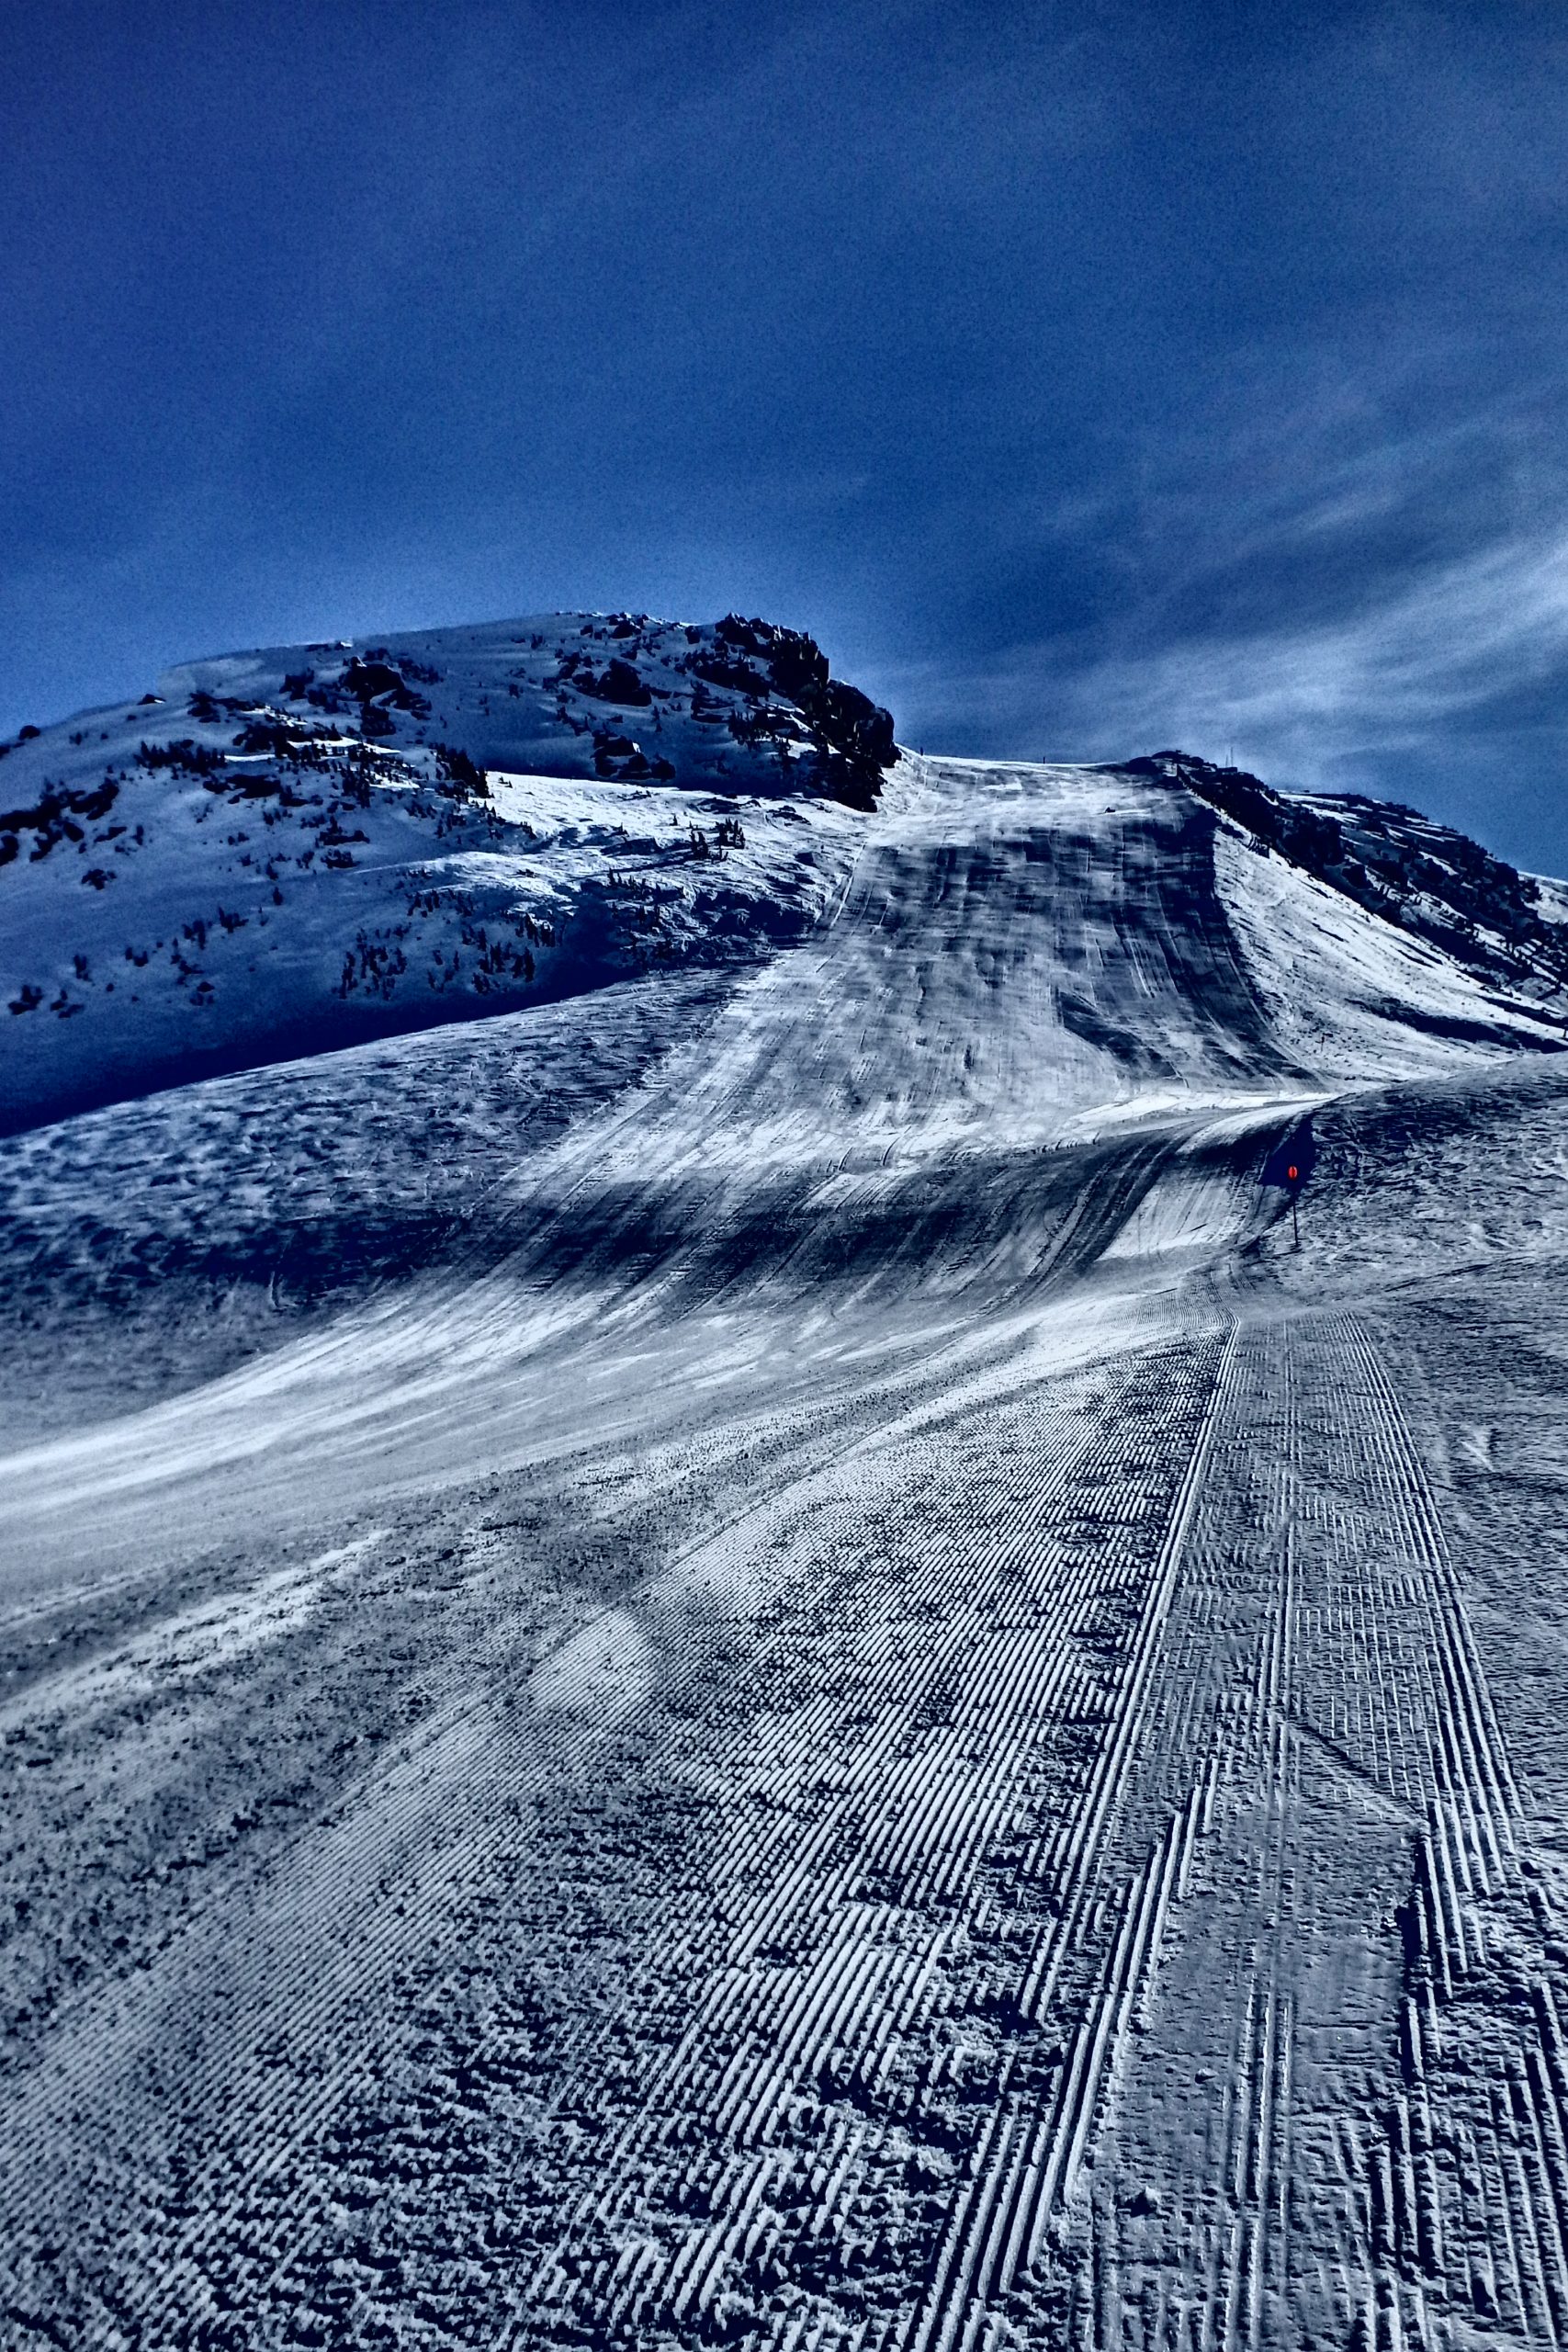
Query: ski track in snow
x=859, y=1714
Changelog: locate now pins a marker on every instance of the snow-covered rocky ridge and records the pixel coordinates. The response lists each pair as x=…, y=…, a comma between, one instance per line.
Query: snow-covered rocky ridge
x=1427, y=880
x=285, y=850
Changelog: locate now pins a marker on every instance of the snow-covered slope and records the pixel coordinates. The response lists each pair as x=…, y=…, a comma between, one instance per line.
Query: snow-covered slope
x=1014, y=959
x=282, y=852
x=287, y=852
x=747, y=1658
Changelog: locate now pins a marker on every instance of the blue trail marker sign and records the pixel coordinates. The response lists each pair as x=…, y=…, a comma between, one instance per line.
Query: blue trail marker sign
x=1288, y=1165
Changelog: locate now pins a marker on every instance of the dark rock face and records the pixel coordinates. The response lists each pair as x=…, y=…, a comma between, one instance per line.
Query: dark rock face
x=620, y=684
x=854, y=734
x=379, y=690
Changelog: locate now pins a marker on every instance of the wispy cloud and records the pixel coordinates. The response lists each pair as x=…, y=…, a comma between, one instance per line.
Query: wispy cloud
x=1321, y=582
x=1466, y=634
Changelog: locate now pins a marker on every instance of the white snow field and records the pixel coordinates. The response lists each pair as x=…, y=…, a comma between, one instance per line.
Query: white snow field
x=743, y=1659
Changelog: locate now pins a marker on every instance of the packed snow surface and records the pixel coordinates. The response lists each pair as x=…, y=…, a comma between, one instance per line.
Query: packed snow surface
x=743, y=1656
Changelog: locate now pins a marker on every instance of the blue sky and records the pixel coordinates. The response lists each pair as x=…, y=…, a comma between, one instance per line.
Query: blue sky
x=1088, y=379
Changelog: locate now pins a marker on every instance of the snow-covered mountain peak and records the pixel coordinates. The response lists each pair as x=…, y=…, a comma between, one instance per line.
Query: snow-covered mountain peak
x=738, y=705
x=296, y=848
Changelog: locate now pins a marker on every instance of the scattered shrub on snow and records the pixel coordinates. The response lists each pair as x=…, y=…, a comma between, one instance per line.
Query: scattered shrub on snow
x=185, y=757
x=267, y=735
x=210, y=708
x=55, y=817
x=462, y=779
x=379, y=687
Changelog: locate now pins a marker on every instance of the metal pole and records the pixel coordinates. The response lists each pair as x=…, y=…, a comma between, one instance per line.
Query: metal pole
x=1295, y=1226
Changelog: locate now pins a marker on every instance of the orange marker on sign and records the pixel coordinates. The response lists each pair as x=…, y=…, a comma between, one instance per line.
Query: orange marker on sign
x=1290, y=1165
